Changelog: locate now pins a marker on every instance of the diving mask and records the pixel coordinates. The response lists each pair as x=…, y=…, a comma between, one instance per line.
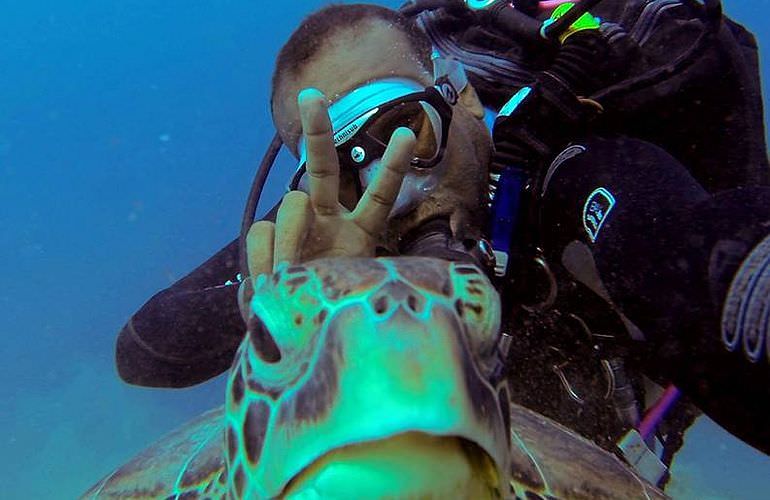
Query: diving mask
x=364, y=119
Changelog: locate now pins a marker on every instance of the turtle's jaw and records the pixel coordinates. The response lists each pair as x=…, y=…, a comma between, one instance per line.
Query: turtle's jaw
x=409, y=465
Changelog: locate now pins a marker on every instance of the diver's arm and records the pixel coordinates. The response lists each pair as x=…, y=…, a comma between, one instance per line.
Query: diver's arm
x=188, y=332
x=690, y=269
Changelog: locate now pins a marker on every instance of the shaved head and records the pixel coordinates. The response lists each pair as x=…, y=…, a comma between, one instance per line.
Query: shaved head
x=332, y=29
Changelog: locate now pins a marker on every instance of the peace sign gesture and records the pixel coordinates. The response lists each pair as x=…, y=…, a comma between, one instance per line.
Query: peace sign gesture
x=316, y=225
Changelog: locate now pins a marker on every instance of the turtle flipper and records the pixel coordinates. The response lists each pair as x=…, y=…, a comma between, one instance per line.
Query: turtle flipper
x=550, y=461
x=187, y=460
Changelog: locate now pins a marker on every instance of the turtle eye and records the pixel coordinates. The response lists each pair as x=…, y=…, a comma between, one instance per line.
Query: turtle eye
x=264, y=343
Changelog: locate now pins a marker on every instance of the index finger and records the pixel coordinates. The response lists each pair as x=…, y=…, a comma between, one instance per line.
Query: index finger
x=377, y=201
x=260, y=241
x=323, y=166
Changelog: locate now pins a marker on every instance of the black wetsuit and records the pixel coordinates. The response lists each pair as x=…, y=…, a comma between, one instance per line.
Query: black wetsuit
x=187, y=333
x=689, y=268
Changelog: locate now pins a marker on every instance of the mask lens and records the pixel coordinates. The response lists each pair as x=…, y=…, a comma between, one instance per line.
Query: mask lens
x=362, y=138
x=419, y=116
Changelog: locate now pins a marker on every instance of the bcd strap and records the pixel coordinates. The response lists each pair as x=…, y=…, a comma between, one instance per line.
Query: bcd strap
x=530, y=130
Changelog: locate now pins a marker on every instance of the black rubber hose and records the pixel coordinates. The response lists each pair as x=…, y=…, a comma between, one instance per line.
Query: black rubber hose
x=257, y=186
x=513, y=23
x=414, y=7
x=712, y=10
x=582, y=62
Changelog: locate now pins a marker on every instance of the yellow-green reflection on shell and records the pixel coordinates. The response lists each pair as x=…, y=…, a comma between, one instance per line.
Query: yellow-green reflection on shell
x=369, y=378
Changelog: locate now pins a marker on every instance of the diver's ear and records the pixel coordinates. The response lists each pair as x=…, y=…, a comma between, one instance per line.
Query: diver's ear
x=470, y=101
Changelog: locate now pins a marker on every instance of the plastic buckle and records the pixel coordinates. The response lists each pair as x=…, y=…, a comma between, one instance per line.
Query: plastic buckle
x=501, y=263
x=644, y=461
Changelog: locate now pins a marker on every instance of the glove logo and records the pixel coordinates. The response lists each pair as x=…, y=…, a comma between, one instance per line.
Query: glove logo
x=746, y=311
x=596, y=210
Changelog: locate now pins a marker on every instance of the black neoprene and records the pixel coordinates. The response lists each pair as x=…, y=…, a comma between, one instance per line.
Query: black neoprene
x=187, y=333
x=666, y=252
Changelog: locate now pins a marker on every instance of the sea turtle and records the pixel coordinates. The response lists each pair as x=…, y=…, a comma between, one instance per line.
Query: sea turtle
x=362, y=378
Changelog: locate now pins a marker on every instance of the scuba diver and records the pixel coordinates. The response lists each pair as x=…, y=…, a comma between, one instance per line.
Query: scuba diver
x=617, y=260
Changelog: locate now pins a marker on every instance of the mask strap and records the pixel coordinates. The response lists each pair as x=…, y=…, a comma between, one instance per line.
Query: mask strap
x=449, y=76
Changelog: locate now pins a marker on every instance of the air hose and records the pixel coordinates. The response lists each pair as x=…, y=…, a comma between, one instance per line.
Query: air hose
x=257, y=186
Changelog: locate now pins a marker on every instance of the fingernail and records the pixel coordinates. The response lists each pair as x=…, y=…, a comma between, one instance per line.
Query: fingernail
x=402, y=133
x=282, y=264
x=310, y=94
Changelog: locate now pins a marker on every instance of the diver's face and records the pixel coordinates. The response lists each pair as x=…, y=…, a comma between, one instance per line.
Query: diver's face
x=374, y=51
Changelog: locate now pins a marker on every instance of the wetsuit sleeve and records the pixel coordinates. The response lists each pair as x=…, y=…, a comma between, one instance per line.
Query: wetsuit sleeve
x=691, y=269
x=188, y=332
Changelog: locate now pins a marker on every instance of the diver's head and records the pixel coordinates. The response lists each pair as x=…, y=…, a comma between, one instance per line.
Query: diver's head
x=347, y=47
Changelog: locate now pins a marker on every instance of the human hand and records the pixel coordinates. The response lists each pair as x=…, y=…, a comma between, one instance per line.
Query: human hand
x=315, y=225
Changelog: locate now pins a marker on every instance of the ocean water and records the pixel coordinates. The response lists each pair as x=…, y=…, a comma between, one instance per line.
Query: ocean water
x=129, y=134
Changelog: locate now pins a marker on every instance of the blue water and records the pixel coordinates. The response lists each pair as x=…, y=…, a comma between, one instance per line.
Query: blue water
x=129, y=133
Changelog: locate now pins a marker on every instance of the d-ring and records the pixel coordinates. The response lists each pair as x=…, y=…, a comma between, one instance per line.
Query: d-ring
x=550, y=298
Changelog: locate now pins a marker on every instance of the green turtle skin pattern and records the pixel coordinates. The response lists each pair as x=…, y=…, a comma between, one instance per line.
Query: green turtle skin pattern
x=341, y=353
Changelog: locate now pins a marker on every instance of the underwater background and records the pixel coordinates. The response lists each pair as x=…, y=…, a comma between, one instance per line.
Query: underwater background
x=129, y=134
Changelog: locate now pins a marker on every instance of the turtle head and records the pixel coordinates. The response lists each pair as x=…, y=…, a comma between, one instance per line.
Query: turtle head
x=368, y=377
